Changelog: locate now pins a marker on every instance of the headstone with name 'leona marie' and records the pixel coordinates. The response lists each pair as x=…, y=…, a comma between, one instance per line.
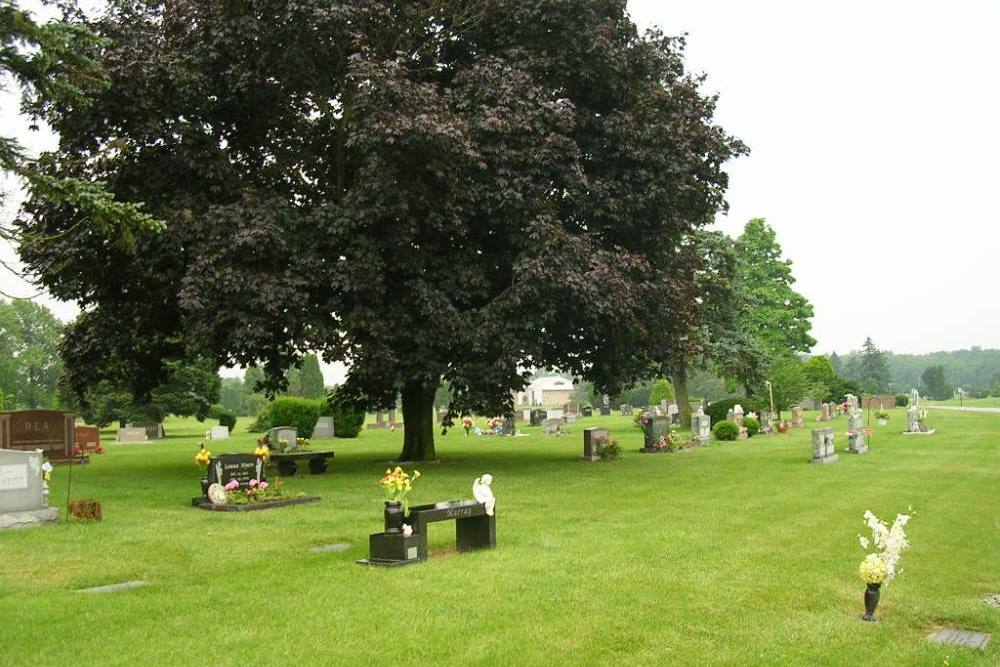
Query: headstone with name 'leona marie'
x=23, y=492
x=52, y=431
x=323, y=430
x=240, y=467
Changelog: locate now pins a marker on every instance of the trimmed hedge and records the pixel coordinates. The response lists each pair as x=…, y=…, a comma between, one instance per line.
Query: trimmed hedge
x=751, y=425
x=725, y=430
x=902, y=400
x=301, y=413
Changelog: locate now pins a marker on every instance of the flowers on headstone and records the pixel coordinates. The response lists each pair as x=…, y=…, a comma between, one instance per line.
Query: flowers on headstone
x=396, y=485
x=493, y=424
x=467, y=424
x=607, y=449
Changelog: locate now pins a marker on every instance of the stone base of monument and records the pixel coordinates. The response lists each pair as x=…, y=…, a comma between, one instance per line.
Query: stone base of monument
x=930, y=432
x=858, y=449
x=28, y=518
x=591, y=458
x=392, y=550
x=78, y=460
x=205, y=504
x=832, y=458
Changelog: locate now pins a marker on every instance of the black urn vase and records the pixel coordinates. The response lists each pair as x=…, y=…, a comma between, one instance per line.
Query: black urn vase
x=393, y=516
x=204, y=486
x=871, y=601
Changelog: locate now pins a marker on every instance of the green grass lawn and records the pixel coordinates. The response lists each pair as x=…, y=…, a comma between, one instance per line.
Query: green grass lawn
x=739, y=553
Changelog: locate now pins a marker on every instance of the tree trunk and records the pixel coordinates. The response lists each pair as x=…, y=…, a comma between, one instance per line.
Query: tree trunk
x=680, y=381
x=418, y=422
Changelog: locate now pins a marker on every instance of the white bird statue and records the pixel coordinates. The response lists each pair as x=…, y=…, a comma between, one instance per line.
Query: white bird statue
x=482, y=492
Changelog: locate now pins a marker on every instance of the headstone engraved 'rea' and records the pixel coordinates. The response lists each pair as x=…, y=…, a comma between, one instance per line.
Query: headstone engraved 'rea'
x=51, y=431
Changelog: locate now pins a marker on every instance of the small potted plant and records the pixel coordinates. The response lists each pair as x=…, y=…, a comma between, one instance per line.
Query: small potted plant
x=396, y=485
x=880, y=565
x=883, y=417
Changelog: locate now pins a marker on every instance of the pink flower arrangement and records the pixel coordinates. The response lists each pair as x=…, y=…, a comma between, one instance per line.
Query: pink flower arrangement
x=231, y=485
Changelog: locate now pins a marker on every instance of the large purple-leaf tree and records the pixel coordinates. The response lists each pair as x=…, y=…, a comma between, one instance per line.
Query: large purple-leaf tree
x=427, y=190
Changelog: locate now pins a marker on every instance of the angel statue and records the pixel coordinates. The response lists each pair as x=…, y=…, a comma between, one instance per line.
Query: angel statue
x=482, y=492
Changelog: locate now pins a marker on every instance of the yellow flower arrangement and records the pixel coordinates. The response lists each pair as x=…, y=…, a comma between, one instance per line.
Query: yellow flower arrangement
x=873, y=569
x=262, y=452
x=397, y=484
x=203, y=457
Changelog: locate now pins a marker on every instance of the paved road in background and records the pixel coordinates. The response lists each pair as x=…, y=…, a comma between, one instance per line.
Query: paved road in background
x=952, y=407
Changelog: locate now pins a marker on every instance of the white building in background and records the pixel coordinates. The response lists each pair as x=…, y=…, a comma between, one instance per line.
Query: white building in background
x=551, y=390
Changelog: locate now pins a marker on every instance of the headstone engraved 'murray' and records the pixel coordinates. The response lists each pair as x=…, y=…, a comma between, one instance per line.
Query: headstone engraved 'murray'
x=23, y=496
x=51, y=431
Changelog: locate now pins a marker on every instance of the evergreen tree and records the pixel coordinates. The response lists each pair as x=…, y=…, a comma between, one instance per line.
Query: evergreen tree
x=935, y=384
x=311, y=377
x=873, y=371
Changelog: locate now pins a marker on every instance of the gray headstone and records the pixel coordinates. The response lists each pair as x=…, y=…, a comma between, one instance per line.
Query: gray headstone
x=21, y=485
x=131, y=435
x=323, y=428
x=822, y=446
x=219, y=433
x=701, y=427
x=626, y=410
x=551, y=426
x=287, y=433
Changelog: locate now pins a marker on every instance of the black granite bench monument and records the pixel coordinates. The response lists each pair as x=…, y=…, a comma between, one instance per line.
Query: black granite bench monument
x=474, y=530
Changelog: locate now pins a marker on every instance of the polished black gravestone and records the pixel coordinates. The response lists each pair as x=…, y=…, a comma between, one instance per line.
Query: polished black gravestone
x=587, y=411
x=474, y=530
x=538, y=416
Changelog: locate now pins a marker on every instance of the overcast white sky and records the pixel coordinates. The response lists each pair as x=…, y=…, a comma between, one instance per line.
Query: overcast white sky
x=874, y=138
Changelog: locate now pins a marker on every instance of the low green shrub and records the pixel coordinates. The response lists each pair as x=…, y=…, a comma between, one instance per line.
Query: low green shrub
x=902, y=400
x=725, y=430
x=348, y=413
x=751, y=425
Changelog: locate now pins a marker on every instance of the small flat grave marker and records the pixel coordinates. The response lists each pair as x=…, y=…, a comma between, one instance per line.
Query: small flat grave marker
x=992, y=600
x=956, y=637
x=327, y=548
x=114, y=588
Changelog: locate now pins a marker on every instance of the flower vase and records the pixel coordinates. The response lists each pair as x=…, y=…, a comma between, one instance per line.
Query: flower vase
x=204, y=486
x=871, y=601
x=393, y=516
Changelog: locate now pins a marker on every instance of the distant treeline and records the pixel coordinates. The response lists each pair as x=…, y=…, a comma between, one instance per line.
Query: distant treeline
x=965, y=369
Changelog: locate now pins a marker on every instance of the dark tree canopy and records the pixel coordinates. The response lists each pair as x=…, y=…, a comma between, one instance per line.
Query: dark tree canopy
x=427, y=190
